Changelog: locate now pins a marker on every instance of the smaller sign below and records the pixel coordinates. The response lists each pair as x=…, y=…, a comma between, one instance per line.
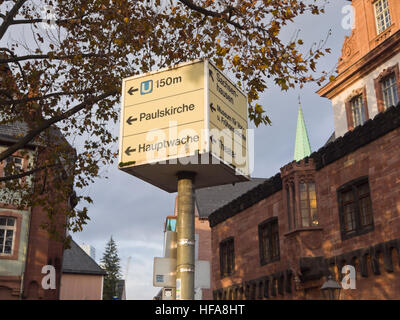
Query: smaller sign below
x=168, y=294
x=164, y=272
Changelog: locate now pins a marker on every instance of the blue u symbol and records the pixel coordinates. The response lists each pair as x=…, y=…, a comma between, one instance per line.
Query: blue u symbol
x=146, y=87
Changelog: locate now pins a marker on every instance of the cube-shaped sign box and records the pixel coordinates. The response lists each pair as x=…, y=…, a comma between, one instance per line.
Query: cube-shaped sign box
x=187, y=118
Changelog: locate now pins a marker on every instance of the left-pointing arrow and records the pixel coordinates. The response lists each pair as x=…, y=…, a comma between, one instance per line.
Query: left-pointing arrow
x=129, y=150
x=212, y=107
x=130, y=120
x=132, y=90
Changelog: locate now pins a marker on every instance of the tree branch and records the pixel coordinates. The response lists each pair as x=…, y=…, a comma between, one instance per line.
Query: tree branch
x=19, y=65
x=48, y=56
x=222, y=15
x=10, y=16
x=47, y=123
x=41, y=20
x=38, y=98
x=27, y=173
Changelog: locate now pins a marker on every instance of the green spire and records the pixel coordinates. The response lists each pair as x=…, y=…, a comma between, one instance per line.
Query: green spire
x=302, y=147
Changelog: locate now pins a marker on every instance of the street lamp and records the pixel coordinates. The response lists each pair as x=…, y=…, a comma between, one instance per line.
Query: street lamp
x=331, y=289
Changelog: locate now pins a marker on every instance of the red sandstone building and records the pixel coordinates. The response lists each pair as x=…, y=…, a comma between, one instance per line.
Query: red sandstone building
x=25, y=247
x=280, y=238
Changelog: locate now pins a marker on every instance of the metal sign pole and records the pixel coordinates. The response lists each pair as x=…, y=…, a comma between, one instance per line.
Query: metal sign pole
x=185, y=237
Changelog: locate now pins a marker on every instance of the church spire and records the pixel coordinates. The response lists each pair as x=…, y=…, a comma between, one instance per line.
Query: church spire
x=302, y=147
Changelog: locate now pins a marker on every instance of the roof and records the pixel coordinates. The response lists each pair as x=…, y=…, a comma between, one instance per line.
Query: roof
x=75, y=260
x=212, y=198
x=371, y=130
x=12, y=132
x=302, y=147
x=246, y=199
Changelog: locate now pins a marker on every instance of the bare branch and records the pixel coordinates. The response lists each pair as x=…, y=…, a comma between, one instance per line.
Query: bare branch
x=40, y=20
x=19, y=65
x=38, y=98
x=10, y=16
x=27, y=173
x=51, y=57
x=225, y=15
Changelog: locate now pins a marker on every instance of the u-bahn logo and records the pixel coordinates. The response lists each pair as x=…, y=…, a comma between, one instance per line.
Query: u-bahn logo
x=146, y=87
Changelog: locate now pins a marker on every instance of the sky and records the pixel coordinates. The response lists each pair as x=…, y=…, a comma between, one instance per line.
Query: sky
x=133, y=211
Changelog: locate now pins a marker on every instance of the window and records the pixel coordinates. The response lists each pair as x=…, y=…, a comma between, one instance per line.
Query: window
x=355, y=208
x=289, y=209
x=291, y=206
x=358, y=110
x=268, y=235
x=382, y=15
x=387, y=87
x=389, y=91
x=7, y=231
x=14, y=163
x=308, y=204
x=170, y=224
x=227, y=257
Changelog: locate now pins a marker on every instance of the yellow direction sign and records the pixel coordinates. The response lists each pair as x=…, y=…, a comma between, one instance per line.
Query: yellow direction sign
x=186, y=118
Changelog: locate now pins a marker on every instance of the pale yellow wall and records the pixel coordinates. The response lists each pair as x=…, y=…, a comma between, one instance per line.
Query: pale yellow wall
x=81, y=287
x=17, y=267
x=338, y=102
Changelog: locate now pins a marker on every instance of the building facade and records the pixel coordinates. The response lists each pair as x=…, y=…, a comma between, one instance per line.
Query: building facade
x=368, y=69
x=82, y=278
x=25, y=247
x=14, y=231
x=339, y=206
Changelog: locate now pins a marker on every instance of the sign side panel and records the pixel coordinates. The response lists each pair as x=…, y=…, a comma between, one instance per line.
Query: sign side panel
x=227, y=121
x=206, y=107
x=121, y=127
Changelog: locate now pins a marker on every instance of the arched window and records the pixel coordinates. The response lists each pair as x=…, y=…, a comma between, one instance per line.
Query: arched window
x=291, y=206
x=308, y=204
